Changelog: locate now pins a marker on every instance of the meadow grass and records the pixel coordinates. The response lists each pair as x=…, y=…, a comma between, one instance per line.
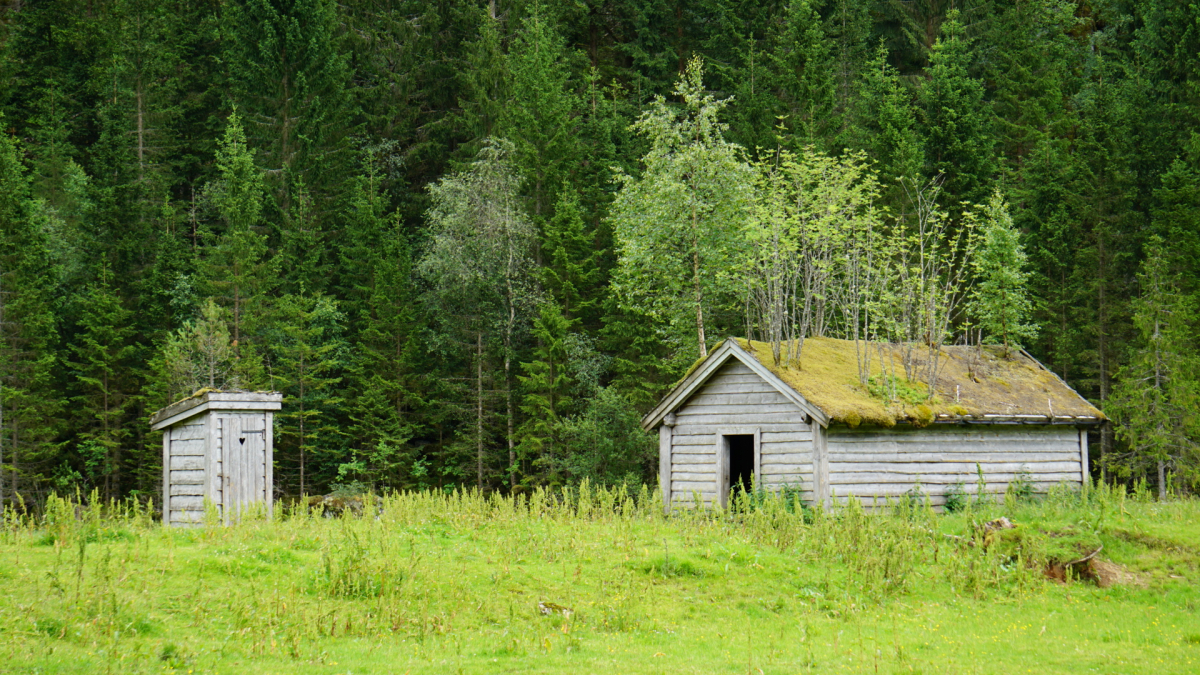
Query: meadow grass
x=448, y=583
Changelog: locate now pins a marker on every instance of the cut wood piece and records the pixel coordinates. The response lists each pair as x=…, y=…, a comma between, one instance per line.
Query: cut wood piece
x=187, y=462
x=691, y=411
x=787, y=437
x=743, y=419
x=955, y=434
x=765, y=425
x=786, y=469
x=734, y=387
x=186, y=478
x=187, y=516
x=968, y=457
x=940, y=479
x=741, y=399
x=961, y=468
x=974, y=447
x=188, y=447
x=687, y=487
x=187, y=503
x=682, y=478
x=187, y=432
x=187, y=489
x=787, y=457
x=679, y=441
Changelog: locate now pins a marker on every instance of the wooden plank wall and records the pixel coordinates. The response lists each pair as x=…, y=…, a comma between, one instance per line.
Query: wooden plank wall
x=872, y=463
x=735, y=397
x=243, y=462
x=185, y=475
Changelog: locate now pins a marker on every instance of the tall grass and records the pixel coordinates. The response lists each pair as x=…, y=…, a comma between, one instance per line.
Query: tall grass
x=438, y=568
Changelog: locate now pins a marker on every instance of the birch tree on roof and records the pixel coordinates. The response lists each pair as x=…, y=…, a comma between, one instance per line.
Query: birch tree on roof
x=679, y=225
x=932, y=258
x=812, y=214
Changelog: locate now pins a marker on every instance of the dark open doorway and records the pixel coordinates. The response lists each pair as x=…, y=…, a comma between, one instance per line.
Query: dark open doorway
x=741, y=462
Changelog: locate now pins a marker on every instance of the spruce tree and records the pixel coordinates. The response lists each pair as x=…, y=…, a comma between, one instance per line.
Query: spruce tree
x=1156, y=398
x=571, y=273
x=885, y=127
x=29, y=403
x=547, y=398
x=1000, y=300
x=538, y=118
x=381, y=308
x=100, y=358
x=483, y=84
x=803, y=60
x=308, y=356
x=956, y=121
x=289, y=77
x=236, y=270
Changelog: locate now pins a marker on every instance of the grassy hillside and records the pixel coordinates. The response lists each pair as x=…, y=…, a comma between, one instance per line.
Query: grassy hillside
x=602, y=582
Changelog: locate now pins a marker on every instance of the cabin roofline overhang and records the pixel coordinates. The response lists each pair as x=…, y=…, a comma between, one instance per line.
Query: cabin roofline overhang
x=729, y=349
x=266, y=401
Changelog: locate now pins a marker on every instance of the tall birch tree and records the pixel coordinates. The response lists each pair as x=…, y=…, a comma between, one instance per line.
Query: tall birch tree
x=678, y=226
x=479, y=262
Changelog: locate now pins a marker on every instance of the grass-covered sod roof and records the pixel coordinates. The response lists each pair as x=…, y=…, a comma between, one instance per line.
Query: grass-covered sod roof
x=973, y=384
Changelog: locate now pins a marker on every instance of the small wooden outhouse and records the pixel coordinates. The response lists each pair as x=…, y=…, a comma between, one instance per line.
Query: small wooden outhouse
x=217, y=445
x=739, y=419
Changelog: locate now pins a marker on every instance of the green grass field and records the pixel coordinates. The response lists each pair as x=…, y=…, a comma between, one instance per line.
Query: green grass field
x=452, y=583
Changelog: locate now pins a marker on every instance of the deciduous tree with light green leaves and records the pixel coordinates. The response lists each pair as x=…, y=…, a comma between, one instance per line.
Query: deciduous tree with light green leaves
x=811, y=216
x=479, y=265
x=678, y=226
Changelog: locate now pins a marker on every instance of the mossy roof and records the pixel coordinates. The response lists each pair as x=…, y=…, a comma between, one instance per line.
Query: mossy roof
x=973, y=384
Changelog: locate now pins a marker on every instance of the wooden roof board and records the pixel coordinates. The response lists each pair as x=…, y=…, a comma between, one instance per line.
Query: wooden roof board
x=704, y=369
x=212, y=399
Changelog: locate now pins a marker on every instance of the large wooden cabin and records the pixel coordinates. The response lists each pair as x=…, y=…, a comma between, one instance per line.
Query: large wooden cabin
x=738, y=418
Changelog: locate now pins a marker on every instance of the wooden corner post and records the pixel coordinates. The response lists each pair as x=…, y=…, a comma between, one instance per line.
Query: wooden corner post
x=665, y=431
x=820, y=465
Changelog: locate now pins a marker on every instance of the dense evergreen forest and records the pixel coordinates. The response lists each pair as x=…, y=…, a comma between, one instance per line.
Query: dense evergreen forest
x=473, y=241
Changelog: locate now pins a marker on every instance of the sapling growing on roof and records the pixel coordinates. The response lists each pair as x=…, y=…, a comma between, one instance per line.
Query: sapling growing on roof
x=809, y=236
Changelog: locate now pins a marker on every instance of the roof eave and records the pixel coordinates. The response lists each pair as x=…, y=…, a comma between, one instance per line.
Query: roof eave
x=1018, y=419
x=719, y=356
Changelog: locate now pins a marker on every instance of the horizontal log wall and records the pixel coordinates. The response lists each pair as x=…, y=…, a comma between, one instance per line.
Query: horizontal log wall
x=184, y=488
x=876, y=464
x=736, y=397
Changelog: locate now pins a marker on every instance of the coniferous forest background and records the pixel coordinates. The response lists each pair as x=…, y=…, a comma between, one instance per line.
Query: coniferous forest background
x=407, y=216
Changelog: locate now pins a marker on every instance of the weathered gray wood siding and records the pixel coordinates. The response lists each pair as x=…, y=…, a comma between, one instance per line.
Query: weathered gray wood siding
x=224, y=456
x=736, y=400
x=874, y=463
x=243, y=462
x=185, y=454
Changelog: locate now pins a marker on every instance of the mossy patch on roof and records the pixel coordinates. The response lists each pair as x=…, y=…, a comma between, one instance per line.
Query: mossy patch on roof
x=973, y=383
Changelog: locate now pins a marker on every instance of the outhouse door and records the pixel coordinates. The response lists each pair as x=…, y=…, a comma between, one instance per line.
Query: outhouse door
x=243, y=463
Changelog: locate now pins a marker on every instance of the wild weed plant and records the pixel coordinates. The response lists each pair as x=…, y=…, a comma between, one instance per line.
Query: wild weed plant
x=431, y=567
